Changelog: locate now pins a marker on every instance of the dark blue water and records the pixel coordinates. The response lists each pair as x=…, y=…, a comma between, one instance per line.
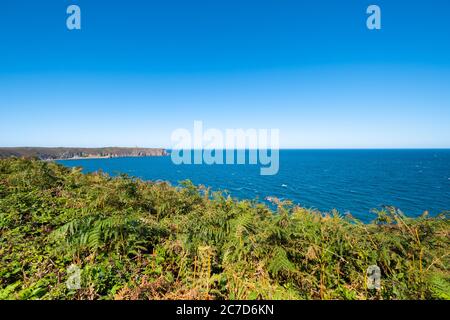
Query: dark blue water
x=353, y=181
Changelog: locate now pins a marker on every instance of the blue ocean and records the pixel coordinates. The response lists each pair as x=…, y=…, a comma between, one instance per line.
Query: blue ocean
x=354, y=181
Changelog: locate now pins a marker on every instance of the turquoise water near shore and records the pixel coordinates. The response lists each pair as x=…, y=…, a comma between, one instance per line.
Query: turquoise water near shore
x=353, y=181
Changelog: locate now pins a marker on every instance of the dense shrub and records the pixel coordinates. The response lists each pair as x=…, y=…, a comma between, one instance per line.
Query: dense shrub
x=142, y=240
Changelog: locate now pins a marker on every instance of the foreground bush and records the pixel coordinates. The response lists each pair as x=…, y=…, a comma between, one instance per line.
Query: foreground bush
x=143, y=240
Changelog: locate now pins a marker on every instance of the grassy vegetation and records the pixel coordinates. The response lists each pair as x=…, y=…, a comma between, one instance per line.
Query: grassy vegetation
x=143, y=240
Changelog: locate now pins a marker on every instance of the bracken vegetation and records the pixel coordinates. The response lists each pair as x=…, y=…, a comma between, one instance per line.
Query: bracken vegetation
x=142, y=240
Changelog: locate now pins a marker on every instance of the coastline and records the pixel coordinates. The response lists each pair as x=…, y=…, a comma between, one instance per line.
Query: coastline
x=70, y=153
x=101, y=157
x=79, y=158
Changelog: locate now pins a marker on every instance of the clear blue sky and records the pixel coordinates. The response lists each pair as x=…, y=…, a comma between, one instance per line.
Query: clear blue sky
x=140, y=69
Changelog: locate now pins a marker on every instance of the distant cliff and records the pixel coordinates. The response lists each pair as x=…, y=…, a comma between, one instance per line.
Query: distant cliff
x=79, y=153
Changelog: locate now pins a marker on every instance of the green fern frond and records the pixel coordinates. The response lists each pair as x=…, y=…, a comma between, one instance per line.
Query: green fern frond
x=440, y=286
x=279, y=261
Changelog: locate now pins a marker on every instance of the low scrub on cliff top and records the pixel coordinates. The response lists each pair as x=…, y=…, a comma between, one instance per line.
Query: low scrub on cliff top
x=132, y=239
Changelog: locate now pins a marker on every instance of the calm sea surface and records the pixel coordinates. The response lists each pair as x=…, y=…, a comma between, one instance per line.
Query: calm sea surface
x=348, y=180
